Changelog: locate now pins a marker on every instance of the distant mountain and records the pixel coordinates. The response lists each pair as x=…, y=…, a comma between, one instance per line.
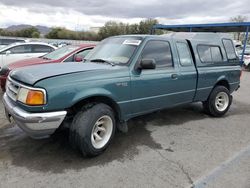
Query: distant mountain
x=43, y=29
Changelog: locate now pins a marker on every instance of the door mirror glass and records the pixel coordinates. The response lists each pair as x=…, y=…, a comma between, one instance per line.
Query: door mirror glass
x=147, y=64
x=78, y=58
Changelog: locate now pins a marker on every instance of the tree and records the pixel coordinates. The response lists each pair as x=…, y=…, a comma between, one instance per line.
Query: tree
x=239, y=18
x=53, y=34
x=35, y=35
x=146, y=25
x=112, y=28
x=27, y=32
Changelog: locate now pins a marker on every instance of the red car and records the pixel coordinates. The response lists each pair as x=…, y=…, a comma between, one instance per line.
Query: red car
x=70, y=53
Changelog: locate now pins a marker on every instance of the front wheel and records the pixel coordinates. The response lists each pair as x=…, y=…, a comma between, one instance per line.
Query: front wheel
x=218, y=102
x=93, y=129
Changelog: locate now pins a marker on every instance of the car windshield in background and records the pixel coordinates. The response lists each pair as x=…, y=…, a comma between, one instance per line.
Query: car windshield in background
x=61, y=52
x=117, y=50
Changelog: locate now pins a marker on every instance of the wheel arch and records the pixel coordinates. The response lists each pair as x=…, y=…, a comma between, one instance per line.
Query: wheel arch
x=223, y=82
x=93, y=99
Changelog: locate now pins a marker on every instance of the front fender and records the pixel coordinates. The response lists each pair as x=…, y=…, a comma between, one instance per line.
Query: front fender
x=93, y=92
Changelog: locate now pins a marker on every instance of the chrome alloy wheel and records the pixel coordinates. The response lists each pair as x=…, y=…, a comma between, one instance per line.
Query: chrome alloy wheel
x=221, y=101
x=101, y=132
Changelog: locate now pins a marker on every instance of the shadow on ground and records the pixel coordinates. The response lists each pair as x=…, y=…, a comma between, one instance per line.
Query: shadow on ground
x=55, y=154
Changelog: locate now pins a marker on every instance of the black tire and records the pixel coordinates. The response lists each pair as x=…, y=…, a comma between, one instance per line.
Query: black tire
x=83, y=125
x=210, y=106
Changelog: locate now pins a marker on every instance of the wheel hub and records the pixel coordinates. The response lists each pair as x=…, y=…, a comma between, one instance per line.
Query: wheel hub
x=101, y=132
x=221, y=101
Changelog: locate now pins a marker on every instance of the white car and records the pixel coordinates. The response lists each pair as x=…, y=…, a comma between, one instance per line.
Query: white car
x=19, y=51
x=246, y=55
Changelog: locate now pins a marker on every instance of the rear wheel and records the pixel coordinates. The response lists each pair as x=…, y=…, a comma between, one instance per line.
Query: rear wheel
x=93, y=129
x=219, y=101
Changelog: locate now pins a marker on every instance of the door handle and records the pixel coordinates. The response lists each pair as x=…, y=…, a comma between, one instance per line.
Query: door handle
x=174, y=76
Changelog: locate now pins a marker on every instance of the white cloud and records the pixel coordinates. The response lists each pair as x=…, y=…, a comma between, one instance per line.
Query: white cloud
x=58, y=17
x=83, y=14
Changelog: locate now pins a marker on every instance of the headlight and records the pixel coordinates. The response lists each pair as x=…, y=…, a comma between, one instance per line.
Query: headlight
x=31, y=97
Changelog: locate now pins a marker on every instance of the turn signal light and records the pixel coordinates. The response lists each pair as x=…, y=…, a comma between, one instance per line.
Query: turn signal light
x=31, y=97
x=35, y=98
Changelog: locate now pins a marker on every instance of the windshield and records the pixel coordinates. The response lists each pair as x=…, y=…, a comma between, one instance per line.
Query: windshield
x=117, y=50
x=61, y=52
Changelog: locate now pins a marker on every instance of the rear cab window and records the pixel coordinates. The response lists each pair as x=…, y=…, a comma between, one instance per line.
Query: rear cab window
x=209, y=53
x=229, y=48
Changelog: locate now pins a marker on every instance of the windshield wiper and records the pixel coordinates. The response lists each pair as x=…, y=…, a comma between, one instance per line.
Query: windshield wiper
x=102, y=61
x=46, y=58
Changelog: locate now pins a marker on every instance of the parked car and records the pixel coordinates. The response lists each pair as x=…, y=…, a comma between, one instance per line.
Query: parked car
x=18, y=51
x=71, y=53
x=123, y=77
x=7, y=41
x=246, y=59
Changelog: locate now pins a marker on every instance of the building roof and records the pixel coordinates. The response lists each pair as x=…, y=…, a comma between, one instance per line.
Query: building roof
x=213, y=27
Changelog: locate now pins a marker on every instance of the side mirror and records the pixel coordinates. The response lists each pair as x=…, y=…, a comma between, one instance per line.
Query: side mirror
x=78, y=58
x=8, y=52
x=147, y=64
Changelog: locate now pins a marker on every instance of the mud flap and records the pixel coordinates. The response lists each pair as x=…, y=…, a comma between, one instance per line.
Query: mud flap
x=122, y=126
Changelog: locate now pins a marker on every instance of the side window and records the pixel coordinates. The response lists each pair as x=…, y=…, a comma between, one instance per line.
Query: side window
x=159, y=51
x=83, y=53
x=41, y=49
x=184, y=54
x=20, y=49
x=210, y=54
x=229, y=47
x=69, y=59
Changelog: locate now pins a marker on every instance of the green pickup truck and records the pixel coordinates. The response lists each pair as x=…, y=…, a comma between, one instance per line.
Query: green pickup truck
x=123, y=77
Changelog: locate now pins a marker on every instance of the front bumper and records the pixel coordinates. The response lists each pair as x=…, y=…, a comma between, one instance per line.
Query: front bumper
x=36, y=125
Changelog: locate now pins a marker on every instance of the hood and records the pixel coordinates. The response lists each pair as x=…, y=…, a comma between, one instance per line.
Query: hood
x=31, y=75
x=28, y=62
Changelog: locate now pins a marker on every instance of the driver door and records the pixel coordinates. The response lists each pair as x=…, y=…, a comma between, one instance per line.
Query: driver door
x=158, y=88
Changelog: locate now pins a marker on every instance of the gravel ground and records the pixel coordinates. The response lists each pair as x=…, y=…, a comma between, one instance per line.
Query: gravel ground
x=180, y=147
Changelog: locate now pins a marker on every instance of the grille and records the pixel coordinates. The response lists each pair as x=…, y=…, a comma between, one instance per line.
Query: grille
x=12, y=89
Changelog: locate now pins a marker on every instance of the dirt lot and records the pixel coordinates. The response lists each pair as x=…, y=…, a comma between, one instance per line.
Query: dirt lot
x=179, y=147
